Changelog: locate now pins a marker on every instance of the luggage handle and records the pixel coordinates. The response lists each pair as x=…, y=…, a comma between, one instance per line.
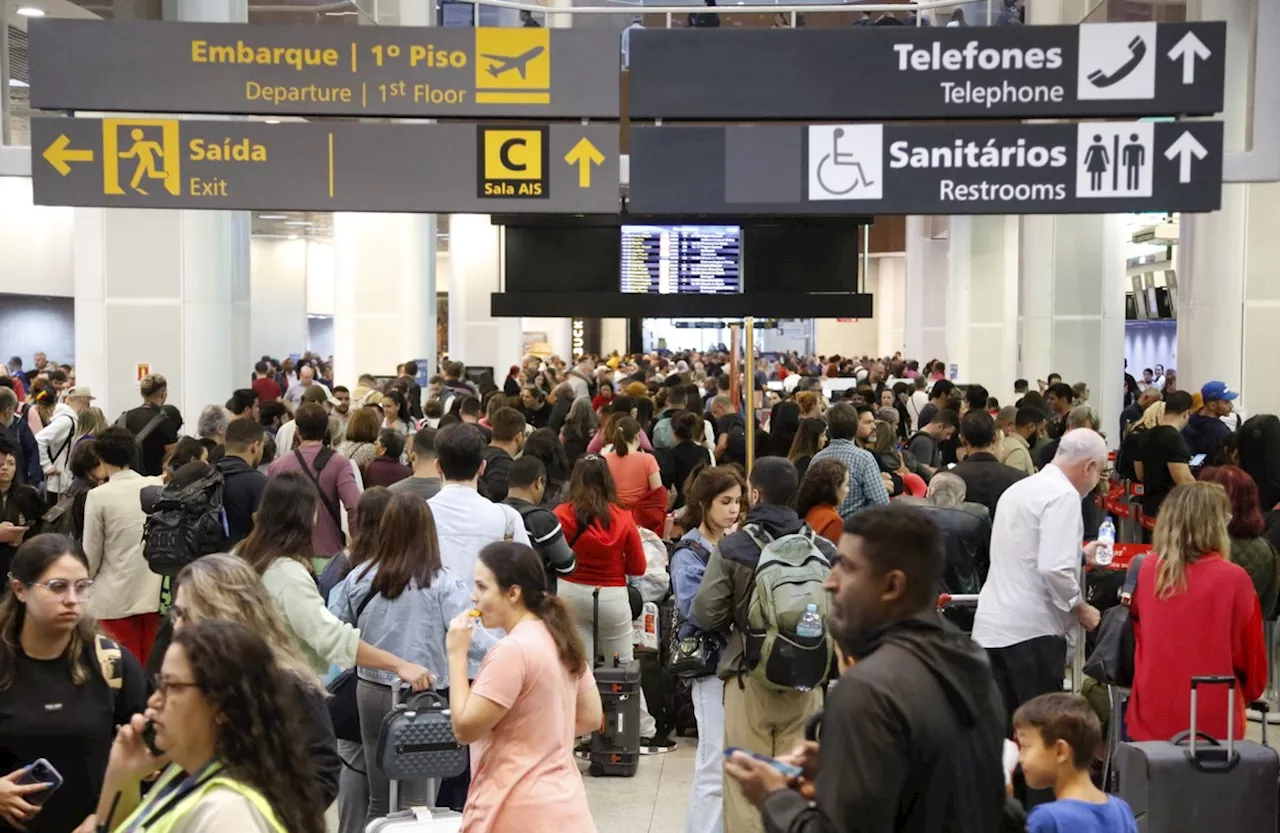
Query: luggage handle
x=411, y=702
x=1215, y=759
x=813, y=728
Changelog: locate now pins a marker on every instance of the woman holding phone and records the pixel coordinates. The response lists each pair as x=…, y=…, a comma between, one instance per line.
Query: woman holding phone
x=56, y=703
x=224, y=733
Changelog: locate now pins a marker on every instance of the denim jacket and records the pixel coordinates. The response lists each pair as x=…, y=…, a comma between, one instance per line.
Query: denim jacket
x=411, y=626
x=687, y=570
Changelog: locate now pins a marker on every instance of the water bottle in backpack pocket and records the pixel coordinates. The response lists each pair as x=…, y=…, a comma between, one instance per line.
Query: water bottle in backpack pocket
x=787, y=645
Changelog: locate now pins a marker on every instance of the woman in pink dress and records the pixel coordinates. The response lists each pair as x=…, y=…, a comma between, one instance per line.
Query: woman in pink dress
x=534, y=695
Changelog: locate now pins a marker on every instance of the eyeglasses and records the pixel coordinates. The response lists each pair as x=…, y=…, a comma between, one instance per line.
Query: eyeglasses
x=164, y=686
x=61, y=587
x=591, y=458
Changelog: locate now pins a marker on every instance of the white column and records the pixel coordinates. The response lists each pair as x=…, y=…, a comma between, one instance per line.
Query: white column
x=475, y=267
x=384, y=296
x=1228, y=289
x=385, y=269
x=278, y=296
x=1073, y=284
x=169, y=289
x=982, y=301
x=890, y=303
x=926, y=289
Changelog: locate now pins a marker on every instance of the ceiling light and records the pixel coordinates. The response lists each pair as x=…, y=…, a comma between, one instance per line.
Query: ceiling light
x=30, y=11
x=293, y=237
x=271, y=216
x=15, y=82
x=296, y=223
x=273, y=121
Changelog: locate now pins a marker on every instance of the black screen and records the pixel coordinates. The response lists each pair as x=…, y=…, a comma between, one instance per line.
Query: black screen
x=801, y=257
x=549, y=258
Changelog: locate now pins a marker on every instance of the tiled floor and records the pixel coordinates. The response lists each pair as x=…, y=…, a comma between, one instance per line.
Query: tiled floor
x=654, y=801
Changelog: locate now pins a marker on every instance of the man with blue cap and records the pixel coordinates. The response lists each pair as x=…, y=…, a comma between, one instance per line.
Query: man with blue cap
x=1206, y=432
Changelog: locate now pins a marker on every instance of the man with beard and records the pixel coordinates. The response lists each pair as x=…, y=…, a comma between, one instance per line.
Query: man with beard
x=913, y=731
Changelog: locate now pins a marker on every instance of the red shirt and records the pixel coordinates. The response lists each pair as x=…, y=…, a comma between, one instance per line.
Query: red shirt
x=267, y=390
x=1212, y=628
x=605, y=556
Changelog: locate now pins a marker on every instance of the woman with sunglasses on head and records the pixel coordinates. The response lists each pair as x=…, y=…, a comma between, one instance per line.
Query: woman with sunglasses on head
x=227, y=725
x=55, y=701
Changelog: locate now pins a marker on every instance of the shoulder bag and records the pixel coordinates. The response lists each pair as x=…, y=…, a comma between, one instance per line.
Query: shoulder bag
x=321, y=460
x=694, y=655
x=342, y=693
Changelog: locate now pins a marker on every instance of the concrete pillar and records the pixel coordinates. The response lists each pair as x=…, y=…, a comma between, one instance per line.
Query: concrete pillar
x=385, y=268
x=926, y=288
x=982, y=301
x=168, y=289
x=475, y=267
x=1228, y=289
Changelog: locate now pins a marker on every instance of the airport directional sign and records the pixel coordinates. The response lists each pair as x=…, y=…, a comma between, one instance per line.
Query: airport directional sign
x=875, y=73
x=385, y=71
x=976, y=168
x=336, y=166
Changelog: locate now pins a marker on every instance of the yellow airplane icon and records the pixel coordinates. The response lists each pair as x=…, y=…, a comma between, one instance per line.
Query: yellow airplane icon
x=520, y=63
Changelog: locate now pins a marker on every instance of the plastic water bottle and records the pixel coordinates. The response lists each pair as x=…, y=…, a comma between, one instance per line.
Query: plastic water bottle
x=810, y=624
x=1106, y=543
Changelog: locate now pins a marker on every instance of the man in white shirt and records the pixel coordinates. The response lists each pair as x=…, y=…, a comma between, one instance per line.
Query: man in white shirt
x=465, y=520
x=1033, y=595
x=54, y=441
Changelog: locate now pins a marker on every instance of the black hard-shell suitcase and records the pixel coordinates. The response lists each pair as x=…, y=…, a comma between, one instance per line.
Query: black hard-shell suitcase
x=1193, y=782
x=615, y=749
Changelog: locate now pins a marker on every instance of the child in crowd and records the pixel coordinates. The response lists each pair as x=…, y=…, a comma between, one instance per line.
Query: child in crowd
x=1057, y=736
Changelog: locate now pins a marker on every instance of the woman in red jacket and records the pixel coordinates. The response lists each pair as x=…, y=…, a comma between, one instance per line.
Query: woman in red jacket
x=606, y=541
x=1194, y=614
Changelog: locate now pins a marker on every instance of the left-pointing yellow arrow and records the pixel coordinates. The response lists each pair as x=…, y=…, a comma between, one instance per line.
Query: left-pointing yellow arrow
x=60, y=153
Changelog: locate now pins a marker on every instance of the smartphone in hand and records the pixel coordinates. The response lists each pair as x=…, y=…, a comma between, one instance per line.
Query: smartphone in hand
x=789, y=770
x=42, y=772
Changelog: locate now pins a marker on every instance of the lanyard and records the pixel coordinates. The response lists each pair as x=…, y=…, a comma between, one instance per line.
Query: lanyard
x=174, y=797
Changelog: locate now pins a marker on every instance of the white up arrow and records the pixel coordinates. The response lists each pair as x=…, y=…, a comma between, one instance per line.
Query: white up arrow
x=1187, y=50
x=1185, y=147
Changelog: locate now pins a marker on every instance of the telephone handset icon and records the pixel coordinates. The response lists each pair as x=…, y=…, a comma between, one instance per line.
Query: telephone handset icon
x=1138, y=48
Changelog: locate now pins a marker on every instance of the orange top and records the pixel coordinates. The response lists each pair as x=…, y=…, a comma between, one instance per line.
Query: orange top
x=825, y=521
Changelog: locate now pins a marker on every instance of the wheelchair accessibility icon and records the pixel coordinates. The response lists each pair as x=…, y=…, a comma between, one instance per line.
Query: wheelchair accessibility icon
x=845, y=162
x=855, y=176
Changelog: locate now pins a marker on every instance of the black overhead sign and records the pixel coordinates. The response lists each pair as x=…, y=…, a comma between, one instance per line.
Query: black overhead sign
x=1095, y=69
x=155, y=67
x=832, y=169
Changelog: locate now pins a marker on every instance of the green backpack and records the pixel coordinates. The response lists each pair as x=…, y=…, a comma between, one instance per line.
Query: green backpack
x=788, y=578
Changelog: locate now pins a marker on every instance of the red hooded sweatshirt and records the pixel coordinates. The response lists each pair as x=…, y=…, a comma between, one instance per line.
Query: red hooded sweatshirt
x=605, y=556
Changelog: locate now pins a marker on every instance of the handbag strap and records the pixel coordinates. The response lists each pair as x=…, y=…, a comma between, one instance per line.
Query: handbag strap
x=328, y=504
x=373, y=591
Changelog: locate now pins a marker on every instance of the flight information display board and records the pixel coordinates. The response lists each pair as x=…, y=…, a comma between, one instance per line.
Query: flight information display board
x=682, y=260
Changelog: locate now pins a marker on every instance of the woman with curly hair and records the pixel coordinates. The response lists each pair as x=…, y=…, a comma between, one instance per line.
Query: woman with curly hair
x=823, y=488
x=225, y=715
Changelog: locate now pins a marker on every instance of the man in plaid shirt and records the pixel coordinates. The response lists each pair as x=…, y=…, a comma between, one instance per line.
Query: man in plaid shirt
x=845, y=425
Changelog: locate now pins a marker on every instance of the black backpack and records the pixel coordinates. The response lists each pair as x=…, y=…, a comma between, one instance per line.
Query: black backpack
x=186, y=523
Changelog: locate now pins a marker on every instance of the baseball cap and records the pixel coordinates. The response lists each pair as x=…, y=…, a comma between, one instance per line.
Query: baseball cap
x=317, y=393
x=1213, y=391
x=81, y=391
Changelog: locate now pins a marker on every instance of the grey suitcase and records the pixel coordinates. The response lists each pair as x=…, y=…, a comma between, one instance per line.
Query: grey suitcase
x=416, y=819
x=1193, y=782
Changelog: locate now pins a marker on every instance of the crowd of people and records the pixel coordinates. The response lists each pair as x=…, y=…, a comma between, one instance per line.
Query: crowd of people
x=491, y=539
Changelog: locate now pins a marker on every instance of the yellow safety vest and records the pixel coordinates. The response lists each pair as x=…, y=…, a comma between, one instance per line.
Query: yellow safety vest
x=142, y=819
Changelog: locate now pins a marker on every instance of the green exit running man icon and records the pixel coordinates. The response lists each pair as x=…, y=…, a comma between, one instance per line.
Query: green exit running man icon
x=149, y=155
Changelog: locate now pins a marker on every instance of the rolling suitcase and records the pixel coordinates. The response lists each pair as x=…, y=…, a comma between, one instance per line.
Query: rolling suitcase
x=1194, y=783
x=399, y=747
x=615, y=749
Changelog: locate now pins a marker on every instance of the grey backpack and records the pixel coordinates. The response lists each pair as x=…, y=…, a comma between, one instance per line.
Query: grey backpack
x=788, y=578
